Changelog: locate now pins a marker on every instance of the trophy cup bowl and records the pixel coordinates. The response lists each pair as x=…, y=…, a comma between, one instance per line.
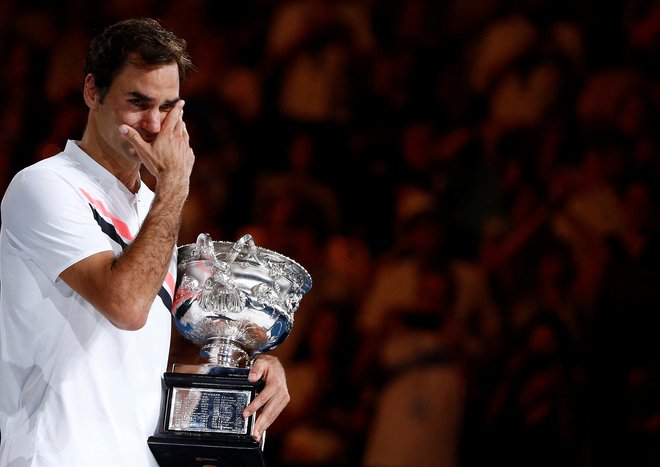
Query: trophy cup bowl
x=236, y=301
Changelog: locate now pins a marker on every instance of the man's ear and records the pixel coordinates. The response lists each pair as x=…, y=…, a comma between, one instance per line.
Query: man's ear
x=91, y=92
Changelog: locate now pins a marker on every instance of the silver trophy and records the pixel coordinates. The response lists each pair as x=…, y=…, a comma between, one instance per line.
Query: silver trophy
x=236, y=301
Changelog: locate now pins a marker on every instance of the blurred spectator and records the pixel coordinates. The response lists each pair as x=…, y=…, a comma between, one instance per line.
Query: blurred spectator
x=418, y=409
x=623, y=343
x=592, y=211
x=313, y=44
x=534, y=417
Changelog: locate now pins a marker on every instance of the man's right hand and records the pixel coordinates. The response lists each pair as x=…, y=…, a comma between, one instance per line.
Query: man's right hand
x=169, y=158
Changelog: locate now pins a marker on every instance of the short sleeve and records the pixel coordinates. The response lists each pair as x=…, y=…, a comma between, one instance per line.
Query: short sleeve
x=47, y=219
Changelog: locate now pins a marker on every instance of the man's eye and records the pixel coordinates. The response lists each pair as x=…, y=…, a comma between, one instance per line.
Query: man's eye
x=138, y=103
x=166, y=107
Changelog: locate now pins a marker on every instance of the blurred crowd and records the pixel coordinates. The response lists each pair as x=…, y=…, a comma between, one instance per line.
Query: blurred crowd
x=472, y=184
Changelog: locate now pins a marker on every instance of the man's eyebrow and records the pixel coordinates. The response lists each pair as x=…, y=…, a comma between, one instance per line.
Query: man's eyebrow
x=143, y=97
x=172, y=101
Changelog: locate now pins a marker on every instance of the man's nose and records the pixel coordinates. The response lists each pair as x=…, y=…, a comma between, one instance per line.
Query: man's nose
x=151, y=120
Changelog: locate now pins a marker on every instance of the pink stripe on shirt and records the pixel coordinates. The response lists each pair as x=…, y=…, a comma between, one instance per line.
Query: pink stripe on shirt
x=121, y=227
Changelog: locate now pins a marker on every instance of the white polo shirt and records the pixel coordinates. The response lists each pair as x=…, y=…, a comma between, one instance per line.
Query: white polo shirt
x=75, y=391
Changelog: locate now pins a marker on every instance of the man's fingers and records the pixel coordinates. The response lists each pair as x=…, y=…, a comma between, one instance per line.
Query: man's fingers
x=174, y=116
x=273, y=398
x=270, y=411
x=186, y=136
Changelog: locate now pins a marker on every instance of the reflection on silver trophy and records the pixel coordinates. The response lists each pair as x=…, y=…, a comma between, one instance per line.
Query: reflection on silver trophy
x=236, y=300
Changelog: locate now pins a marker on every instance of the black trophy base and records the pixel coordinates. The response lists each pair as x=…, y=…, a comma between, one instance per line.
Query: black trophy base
x=202, y=424
x=189, y=451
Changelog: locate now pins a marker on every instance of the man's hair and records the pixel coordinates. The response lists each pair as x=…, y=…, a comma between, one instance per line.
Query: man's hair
x=142, y=42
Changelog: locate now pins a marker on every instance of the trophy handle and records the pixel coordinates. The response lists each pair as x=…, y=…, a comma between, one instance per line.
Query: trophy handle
x=237, y=248
x=204, y=248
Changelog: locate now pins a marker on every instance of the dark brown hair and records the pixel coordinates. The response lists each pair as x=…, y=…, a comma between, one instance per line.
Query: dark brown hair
x=141, y=42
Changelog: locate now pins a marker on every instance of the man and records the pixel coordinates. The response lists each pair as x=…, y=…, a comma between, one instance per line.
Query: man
x=88, y=264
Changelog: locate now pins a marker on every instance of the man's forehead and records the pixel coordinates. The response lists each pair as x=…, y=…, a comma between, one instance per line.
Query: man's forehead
x=135, y=70
x=149, y=83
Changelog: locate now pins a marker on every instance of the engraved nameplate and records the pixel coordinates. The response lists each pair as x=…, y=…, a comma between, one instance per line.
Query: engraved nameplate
x=209, y=410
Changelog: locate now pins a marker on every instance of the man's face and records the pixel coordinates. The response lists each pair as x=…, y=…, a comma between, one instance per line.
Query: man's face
x=140, y=98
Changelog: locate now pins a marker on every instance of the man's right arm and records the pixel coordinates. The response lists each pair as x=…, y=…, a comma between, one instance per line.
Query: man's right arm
x=123, y=287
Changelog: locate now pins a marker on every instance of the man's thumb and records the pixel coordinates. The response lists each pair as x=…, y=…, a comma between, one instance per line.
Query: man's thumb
x=131, y=135
x=128, y=132
x=124, y=129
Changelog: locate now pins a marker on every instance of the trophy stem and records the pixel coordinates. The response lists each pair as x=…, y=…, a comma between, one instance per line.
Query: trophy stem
x=222, y=351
